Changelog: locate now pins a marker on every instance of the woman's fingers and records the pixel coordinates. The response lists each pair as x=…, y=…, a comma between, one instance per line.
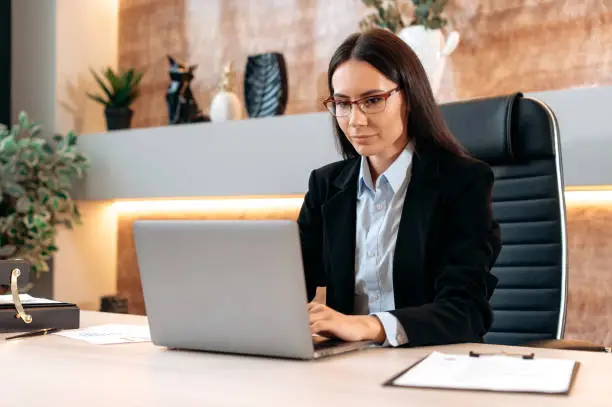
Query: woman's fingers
x=323, y=320
x=315, y=307
x=318, y=316
x=320, y=327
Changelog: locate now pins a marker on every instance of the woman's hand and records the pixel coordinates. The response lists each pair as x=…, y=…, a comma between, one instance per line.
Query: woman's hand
x=325, y=321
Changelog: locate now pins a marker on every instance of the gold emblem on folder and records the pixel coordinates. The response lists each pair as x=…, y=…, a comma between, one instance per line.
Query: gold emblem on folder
x=27, y=318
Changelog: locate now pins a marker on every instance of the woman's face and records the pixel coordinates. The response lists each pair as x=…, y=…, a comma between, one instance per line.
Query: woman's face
x=380, y=131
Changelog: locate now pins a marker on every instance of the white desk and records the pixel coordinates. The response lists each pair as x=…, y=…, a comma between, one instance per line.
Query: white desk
x=57, y=371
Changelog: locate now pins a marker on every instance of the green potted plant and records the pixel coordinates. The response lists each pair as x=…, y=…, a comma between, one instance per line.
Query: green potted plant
x=122, y=89
x=36, y=178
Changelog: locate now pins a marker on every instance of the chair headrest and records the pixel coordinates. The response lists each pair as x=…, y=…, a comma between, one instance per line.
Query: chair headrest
x=484, y=126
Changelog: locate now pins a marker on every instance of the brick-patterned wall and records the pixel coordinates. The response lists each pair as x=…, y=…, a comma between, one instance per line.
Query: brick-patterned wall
x=507, y=45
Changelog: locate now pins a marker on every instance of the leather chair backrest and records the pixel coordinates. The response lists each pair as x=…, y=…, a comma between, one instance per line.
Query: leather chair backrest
x=518, y=137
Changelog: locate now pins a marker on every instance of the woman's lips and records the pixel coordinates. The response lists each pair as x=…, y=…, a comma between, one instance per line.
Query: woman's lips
x=361, y=138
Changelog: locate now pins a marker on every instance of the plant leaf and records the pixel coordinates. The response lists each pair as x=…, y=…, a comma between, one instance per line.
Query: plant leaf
x=98, y=99
x=114, y=80
x=24, y=204
x=23, y=120
x=101, y=83
x=13, y=189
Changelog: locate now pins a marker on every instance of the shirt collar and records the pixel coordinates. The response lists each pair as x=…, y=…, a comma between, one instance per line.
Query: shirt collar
x=365, y=177
x=394, y=175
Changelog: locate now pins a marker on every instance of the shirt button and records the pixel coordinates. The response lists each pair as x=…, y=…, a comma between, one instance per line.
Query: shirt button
x=380, y=206
x=375, y=297
x=371, y=254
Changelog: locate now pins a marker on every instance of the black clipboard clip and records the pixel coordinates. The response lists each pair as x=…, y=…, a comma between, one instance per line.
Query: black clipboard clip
x=528, y=356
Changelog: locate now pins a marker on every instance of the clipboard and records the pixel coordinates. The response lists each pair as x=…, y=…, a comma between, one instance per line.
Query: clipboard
x=524, y=374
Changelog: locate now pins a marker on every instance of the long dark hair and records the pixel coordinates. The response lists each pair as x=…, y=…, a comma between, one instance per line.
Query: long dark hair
x=395, y=59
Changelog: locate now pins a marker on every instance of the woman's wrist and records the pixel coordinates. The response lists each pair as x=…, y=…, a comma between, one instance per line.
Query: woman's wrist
x=374, y=329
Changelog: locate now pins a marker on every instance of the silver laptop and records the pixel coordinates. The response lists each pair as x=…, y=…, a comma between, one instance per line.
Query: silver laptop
x=228, y=286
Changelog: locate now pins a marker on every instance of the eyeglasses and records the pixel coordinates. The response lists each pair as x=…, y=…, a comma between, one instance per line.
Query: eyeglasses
x=370, y=104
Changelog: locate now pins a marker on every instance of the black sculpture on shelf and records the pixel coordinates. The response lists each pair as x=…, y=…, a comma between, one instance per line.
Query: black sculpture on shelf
x=265, y=85
x=182, y=106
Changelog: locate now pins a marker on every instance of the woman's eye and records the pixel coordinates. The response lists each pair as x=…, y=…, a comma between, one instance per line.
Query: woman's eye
x=373, y=101
x=342, y=105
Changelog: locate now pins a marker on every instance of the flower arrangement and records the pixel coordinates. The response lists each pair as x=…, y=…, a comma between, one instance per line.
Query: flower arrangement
x=392, y=14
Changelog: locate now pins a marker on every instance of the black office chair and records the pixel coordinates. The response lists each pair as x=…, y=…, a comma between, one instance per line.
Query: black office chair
x=519, y=138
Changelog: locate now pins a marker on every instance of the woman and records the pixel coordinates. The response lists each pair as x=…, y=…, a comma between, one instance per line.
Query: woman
x=401, y=231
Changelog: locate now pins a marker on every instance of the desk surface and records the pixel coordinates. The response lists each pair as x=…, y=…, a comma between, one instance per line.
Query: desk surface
x=57, y=371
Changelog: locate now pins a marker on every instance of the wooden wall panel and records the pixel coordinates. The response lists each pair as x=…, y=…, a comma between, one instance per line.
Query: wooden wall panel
x=589, y=315
x=128, y=275
x=589, y=312
x=507, y=45
x=511, y=45
x=148, y=31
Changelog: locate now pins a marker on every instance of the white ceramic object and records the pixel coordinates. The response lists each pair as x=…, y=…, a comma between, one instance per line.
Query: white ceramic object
x=432, y=49
x=225, y=106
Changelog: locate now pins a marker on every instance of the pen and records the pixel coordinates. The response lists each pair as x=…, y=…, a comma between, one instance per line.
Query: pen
x=38, y=332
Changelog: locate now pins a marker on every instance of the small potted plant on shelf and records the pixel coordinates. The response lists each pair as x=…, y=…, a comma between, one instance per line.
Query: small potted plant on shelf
x=36, y=178
x=121, y=91
x=419, y=23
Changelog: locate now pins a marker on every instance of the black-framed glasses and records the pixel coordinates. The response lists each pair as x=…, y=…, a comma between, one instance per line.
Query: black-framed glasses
x=370, y=104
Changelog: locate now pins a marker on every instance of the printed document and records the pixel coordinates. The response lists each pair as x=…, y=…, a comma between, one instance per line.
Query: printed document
x=109, y=334
x=25, y=299
x=490, y=372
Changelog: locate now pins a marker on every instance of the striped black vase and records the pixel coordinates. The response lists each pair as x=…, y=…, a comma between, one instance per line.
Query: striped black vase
x=265, y=85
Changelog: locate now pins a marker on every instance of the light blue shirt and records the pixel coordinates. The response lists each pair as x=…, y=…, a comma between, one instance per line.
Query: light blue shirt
x=379, y=210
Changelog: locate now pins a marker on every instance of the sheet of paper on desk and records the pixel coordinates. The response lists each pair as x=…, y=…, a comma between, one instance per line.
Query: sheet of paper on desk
x=25, y=299
x=495, y=372
x=109, y=334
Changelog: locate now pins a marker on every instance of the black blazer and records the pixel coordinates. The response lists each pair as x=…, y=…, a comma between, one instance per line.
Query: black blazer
x=447, y=243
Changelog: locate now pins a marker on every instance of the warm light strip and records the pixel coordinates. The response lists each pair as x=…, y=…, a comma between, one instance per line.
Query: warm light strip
x=588, y=196
x=589, y=188
x=208, y=205
x=572, y=196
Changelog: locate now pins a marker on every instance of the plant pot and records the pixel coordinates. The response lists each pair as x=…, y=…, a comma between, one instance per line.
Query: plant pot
x=118, y=117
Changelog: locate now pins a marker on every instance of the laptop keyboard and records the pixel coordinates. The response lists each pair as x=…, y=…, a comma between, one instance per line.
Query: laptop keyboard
x=328, y=343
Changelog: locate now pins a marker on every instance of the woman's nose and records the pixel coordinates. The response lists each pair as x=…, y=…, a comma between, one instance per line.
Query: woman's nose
x=357, y=117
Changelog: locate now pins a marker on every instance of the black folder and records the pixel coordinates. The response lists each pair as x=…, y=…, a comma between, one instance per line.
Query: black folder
x=62, y=315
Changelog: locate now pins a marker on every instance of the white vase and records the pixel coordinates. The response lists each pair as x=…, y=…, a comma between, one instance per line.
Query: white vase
x=432, y=49
x=225, y=106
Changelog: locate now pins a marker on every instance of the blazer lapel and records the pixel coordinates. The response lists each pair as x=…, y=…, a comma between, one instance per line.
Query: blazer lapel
x=409, y=255
x=339, y=218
